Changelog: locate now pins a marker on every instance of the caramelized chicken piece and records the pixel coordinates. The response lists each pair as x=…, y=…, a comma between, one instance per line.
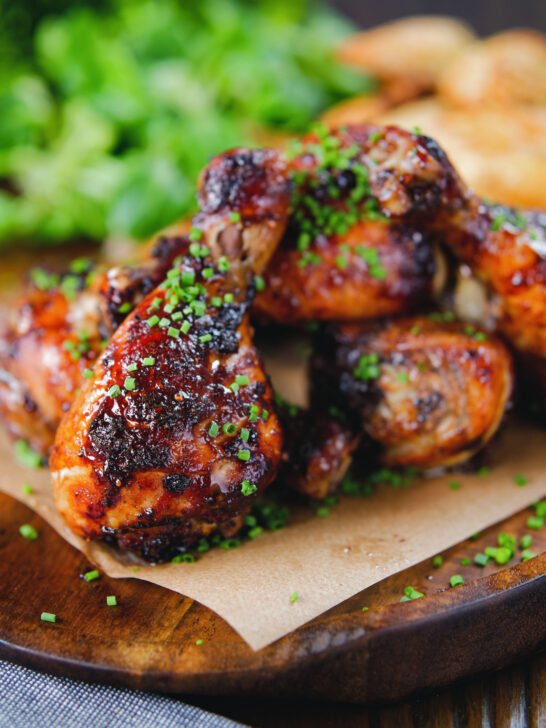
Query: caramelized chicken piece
x=431, y=393
x=354, y=247
x=57, y=330
x=375, y=269
x=178, y=428
x=506, y=249
x=318, y=451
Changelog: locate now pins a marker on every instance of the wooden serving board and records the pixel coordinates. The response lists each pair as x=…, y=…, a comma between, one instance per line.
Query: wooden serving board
x=149, y=640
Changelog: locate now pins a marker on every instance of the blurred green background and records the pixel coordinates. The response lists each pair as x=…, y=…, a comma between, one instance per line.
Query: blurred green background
x=109, y=110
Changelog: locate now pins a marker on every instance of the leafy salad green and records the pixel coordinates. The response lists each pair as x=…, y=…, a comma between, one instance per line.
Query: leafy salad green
x=107, y=120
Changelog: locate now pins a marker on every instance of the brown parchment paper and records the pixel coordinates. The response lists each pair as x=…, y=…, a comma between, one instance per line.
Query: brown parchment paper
x=325, y=560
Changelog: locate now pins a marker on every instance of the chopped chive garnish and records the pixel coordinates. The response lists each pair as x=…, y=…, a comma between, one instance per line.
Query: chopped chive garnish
x=195, y=234
x=456, y=580
x=255, y=532
x=114, y=391
x=88, y=374
x=213, y=429
x=253, y=413
x=437, y=561
x=125, y=308
x=259, y=283
x=411, y=593
x=25, y=455
x=207, y=273
x=173, y=333
x=294, y=597
x=91, y=575
x=244, y=455
x=132, y=367
x=230, y=543
x=187, y=277
x=454, y=485
x=164, y=322
x=265, y=415
x=129, y=384
x=229, y=428
x=111, y=601
x=247, y=488
x=198, y=642
x=216, y=301
x=525, y=541
x=228, y=297
x=29, y=532
x=27, y=490
x=148, y=361
x=244, y=434
x=234, y=387
x=206, y=337
x=365, y=609
x=323, y=511
x=520, y=479
x=242, y=380
x=402, y=377
x=186, y=326
x=535, y=522
x=153, y=320
x=235, y=217
x=465, y=562
x=223, y=265
x=481, y=559
x=48, y=617
x=527, y=554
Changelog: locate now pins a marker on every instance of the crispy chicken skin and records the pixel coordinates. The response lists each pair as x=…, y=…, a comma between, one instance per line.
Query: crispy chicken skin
x=431, y=393
x=54, y=334
x=375, y=269
x=155, y=456
x=319, y=447
x=506, y=249
x=354, y=248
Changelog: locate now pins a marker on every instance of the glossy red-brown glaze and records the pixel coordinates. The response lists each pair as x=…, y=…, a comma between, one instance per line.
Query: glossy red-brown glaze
x=341, y=284
x=432, y=394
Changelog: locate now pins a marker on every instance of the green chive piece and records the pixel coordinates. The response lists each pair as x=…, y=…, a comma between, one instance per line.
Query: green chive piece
x=527, y=554
x=198, y=642
x=229, y=428
x=186, y=326
x=294, y=597
x=213, y=429
x=456, y=580
x=187, y=277
x=88, y=374
x=437, y=561
x=411, y=593
x=223, y=267
x=48, y=617
x=259, y=283
x=253, y=413
x=265, y=415
x=230, y=543
x=29, y=532
x=525, y=541
x=535, y=522
x=481, y=559
x=234, y=387
x=129, y=384
x=465, y=562
x=242, y=380
x=27, y=490
x=132, y=367
x=520, y=480
x=173, y=333
x=244, y=434
x=235, y=216
x=135, y=569
x=114, y=391
x=125, y=308
x=402, y=377
x=206, y=337
x=152, y=321
x=195, y=234
x=248, y=488
x=454, y=485
x=483, y=471
x=148, y=361
x=244, y=455
x=26, y=456
x=216, y=301
x=228, y=297
x=255, y=532
x=91, y=575
x=111, y=601
x=323, y=511
x=365, y=609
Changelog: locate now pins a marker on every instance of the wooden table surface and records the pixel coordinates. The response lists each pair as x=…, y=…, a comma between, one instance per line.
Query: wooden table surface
x=514, y=697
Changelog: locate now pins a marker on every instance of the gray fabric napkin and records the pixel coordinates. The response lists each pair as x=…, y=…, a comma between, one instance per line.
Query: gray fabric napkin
x=29, y=699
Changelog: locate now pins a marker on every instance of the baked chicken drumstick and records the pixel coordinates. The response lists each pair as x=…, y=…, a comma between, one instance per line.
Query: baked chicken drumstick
x=431, y=393
x=177, y=429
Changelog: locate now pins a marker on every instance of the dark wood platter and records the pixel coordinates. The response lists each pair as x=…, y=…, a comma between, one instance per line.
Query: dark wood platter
x=149, y=640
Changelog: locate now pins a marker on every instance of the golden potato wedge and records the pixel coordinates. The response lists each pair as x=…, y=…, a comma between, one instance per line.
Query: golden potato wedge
x=507, y=68
x=416, y=48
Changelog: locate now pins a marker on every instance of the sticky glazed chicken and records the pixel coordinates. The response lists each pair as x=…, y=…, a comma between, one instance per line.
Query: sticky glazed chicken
x=356, y=246
x=319, y=447
x=431, y=393
x=177, y=430
x=56, y=331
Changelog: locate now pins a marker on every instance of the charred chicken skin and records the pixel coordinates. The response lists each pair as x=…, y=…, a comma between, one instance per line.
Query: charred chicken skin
x=57, y=330
x=355, y=247
x=177, y=429
x=430, y=393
